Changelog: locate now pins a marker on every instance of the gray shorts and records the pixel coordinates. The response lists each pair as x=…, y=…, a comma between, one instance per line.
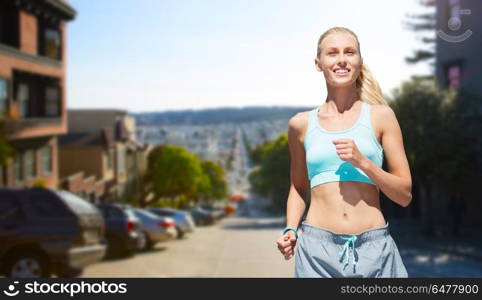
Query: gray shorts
x=322, y=253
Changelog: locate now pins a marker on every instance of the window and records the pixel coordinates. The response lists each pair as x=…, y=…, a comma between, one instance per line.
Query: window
x=36, y=95
x=29, y=164
x=52, y=102
x=110, y=159
x=76, y=203
x=9, y=208
x=115, y=213
x=22, y=98
x=3, y=95
x=17, y=170
x=46, y=160
x=9, y=24
x=121, y=158
x=49, y=39
x=46, y=204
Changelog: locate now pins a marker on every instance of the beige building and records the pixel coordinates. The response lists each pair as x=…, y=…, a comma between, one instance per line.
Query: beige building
x=102, y=143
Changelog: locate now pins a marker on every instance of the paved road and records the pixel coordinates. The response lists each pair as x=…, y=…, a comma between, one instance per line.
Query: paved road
x=245, y=247
x=235, y=247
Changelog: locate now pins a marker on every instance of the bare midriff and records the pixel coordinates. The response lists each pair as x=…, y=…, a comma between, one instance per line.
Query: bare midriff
x=345, y=207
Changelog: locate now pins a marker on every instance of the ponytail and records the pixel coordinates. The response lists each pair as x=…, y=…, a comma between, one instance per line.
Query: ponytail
x=368, y=88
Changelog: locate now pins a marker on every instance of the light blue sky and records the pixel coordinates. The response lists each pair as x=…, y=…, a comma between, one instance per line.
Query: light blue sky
x=145, y=55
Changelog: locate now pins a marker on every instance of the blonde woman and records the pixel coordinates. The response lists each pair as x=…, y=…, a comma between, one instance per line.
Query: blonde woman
x=337, y=150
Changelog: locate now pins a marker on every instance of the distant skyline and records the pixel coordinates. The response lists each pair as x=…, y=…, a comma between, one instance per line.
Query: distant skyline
x=151, y=55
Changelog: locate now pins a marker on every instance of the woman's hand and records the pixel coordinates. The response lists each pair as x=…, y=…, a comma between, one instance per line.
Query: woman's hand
x=286, y=244
x=348, y=151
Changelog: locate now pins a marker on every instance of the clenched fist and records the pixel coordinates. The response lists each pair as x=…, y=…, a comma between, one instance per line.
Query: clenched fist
x=286, y=244
x=348, y=151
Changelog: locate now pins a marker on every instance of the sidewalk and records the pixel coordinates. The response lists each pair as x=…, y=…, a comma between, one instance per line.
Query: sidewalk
x=468, y=244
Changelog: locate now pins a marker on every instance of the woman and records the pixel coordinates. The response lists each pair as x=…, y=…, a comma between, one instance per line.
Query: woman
x=337, y=149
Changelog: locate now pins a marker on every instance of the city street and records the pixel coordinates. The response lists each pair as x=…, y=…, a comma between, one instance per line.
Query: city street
x=234, y=247
x=245, y=247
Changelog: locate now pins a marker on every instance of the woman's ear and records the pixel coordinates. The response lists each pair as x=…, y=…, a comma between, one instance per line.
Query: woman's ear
x=318, y=65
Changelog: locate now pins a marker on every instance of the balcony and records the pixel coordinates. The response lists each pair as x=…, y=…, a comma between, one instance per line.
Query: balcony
x=18, y=127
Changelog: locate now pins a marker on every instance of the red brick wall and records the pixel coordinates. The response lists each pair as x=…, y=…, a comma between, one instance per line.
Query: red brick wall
x=51, y=180
x=28, y=33
x=28, y=44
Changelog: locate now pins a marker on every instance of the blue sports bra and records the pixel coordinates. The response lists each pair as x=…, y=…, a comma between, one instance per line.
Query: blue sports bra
x=323, y=163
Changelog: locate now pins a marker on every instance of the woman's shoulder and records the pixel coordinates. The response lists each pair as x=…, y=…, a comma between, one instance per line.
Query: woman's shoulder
x=383, y=115
x=382, y=111
x=298, y=124
x=299, y=121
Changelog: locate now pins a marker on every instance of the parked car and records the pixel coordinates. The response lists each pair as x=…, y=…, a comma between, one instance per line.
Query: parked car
x=154, y=228
x=217, y=211
x=45, y=232
x=122, y=229
x=201, y=216
x=183, y=219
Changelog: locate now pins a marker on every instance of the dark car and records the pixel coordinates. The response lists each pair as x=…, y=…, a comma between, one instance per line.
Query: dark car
x=216, y=211
x=45, y=232
x=122, y=230
x=201, y=216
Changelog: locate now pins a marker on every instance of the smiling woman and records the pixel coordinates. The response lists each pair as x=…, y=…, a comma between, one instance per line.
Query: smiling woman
x=337, y=151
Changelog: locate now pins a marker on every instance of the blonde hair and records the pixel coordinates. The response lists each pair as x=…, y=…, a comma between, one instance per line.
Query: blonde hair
x=368, y=89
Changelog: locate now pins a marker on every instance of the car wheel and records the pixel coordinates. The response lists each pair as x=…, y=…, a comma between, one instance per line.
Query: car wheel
x=28, y=264
x=116, y=248
x=150, y=244
x=180, y=233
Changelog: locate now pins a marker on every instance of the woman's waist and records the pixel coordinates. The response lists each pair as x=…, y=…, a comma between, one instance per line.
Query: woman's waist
x=345, y=218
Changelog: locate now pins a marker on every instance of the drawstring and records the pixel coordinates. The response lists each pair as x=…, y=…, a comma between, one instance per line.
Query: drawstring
x=346, y=246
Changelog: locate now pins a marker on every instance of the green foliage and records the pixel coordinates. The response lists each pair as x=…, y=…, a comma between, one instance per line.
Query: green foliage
x=39, y=183
x=257, y=153
x=176, y=177
x=6, y=150
x=271, y=178
x=434, y=134
x=173, y=171
x=441, y=131
x=217, y=185
x=423, y=22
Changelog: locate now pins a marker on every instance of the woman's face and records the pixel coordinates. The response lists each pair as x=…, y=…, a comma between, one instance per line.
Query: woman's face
x=339, y=60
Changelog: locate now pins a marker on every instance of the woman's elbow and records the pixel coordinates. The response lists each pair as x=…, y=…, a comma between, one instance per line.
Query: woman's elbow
x=406, y=199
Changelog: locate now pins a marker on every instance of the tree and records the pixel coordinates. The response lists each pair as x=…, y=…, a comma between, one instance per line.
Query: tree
x=272, y=178
x=173, y=172
x=217, y=182
x=6, y=150
x=439, y=154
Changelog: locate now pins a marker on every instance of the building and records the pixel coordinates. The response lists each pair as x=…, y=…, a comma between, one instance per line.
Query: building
x=33, y=35
x=102, y=143
x=87, y=166
x=458, y=46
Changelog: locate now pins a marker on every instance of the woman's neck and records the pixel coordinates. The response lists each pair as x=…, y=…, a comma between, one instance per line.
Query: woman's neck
x=343, y=98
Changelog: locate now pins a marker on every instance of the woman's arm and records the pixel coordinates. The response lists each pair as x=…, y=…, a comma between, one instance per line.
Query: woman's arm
x=397, y=183
x=296, y=204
